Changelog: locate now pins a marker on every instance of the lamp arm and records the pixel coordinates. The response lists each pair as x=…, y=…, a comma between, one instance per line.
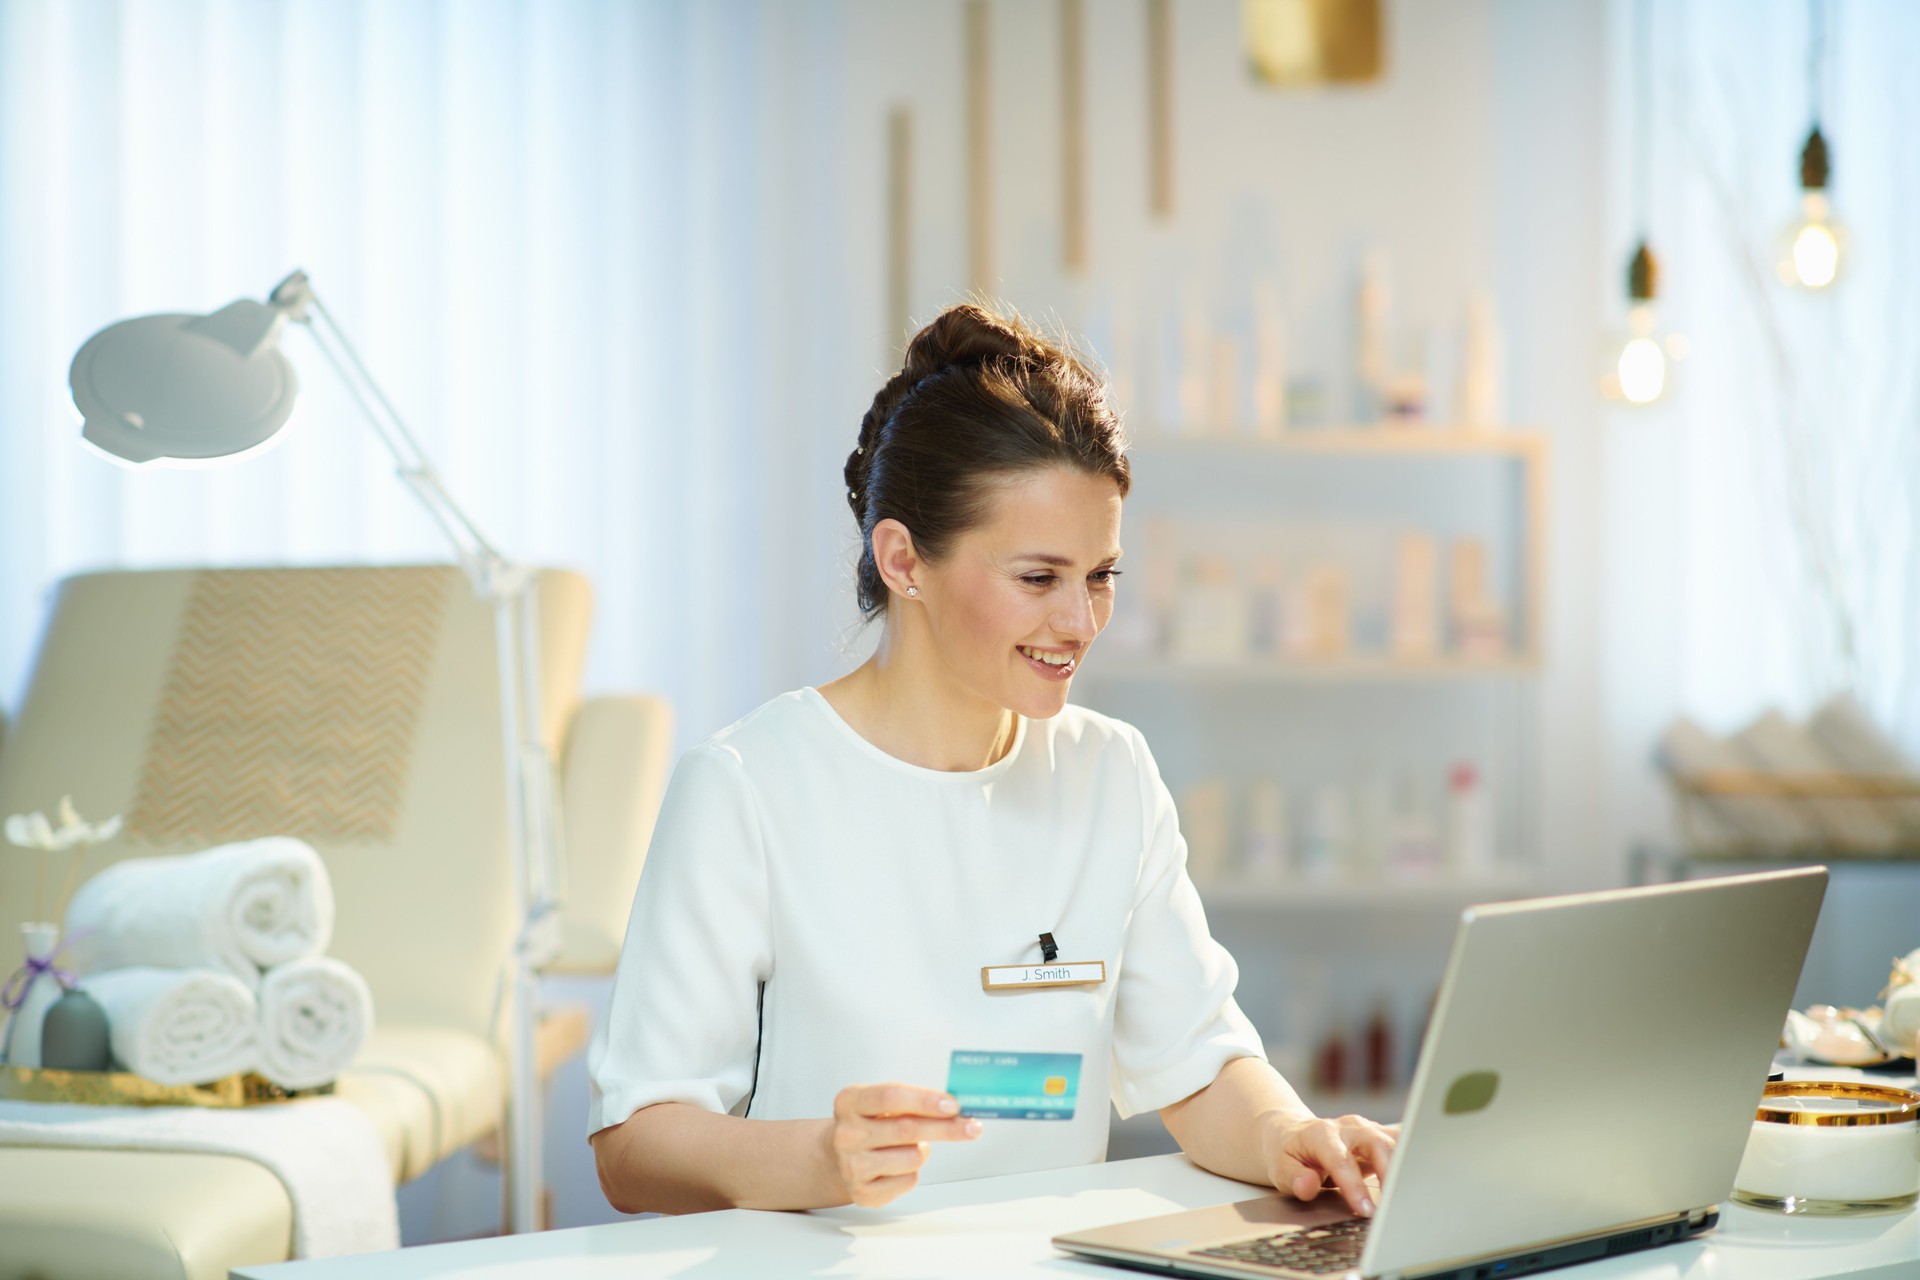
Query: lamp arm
x=533, y=817
x=484, y=563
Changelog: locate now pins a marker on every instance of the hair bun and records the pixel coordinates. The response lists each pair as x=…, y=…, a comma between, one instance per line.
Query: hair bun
x=964, y=337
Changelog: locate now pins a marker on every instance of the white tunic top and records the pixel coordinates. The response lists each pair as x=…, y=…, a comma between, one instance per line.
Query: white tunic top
x=815, y=913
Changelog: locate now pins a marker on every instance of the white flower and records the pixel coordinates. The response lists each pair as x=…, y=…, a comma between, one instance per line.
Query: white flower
x=33, y=831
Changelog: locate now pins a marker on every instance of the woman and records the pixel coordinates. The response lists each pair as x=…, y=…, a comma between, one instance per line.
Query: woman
x=831, y=876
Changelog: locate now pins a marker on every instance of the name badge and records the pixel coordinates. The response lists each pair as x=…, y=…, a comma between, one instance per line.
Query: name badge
x=1074, y=973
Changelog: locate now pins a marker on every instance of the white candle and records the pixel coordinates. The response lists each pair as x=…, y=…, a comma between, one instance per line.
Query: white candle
x=1832, y=1147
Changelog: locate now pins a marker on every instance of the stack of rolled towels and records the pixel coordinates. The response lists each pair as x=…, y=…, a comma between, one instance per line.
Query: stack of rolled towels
x=210, y=964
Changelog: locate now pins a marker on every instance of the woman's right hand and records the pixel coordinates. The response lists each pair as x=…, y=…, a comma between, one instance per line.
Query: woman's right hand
x=880, y=1136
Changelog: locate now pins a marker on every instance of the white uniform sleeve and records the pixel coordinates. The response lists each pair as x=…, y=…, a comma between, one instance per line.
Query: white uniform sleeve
x=1175, y=1021
x=683, y=1022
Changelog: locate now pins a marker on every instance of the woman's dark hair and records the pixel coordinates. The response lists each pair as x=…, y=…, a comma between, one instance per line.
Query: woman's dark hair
x=980, y=398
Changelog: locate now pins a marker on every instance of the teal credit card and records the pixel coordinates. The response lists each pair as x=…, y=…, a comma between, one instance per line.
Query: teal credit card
x=1014, y=1086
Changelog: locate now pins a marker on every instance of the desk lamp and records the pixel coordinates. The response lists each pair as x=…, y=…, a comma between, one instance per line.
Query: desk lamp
x=193, y=391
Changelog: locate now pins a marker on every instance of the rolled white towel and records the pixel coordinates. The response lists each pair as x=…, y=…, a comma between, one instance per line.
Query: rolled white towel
x=239, y=908
x=178, y=1026
x=314, y=1016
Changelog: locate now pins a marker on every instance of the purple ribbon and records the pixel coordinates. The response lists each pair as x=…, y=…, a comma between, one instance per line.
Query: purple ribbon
x=14, y=994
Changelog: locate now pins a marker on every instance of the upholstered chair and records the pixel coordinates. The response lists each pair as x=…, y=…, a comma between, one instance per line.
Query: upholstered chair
x=357, y=709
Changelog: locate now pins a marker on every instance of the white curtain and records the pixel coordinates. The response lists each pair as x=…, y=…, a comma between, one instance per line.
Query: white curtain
x=1766, y=519
x=565, y=237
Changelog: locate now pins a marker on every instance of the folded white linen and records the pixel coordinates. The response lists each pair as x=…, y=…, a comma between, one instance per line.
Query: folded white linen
x=1843, y=726
x=324, y=1150
x=314, y=1016
x=1762, y=821
x=178, y=1026
x=1780, y=746
x=241, y=908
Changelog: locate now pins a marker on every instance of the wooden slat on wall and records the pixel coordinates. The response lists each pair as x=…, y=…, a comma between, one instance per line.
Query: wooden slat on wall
x=980, y=264
x=899, y=228
x=1073, y=135
x=1160, y=108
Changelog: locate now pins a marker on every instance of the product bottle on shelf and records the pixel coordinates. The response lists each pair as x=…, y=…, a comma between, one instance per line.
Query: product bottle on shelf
x=1206, y=822
x=1270, y=362
x=1210, y=623
x=1266, y=606
x=1264, y=855
x=1414, y=847
x=1373, y=362
x=1481, y=388
x=1327, y=851
x=1330, y=1063
x=1380, y=1064
x=1469, y=824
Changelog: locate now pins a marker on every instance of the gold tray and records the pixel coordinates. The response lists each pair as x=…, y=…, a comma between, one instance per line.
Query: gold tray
x=124, y=1089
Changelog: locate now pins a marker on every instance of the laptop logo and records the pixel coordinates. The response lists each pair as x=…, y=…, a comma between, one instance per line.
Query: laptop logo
x=1471, y=1092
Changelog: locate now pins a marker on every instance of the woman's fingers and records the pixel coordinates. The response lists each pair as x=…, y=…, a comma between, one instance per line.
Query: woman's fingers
x=893, y=1100
x=1376, y=1152
x=1342, y=1151
x=871, y=1195
x=900, y=1131
x=887, y=1162
x=880, y=1136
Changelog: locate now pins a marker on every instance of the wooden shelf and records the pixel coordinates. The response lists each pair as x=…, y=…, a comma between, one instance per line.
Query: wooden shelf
x=1409, y=440
x=1359, y=667
x=1240, y=893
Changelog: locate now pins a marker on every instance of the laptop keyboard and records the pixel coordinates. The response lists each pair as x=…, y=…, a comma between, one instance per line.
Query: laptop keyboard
x=1319, y=1251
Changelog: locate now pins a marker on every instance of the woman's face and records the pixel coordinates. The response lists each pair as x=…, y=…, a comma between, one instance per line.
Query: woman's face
x=1034, y=581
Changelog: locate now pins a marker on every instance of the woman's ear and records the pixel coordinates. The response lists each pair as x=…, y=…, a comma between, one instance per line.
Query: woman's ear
x=894, y=556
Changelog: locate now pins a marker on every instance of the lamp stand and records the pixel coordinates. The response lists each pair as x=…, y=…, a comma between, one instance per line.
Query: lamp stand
x=533, y=817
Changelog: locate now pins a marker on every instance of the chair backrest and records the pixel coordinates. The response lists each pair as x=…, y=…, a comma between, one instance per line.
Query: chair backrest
x=356, y=708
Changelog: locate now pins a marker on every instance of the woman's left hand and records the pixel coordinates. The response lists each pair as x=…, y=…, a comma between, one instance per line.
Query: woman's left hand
x=1303, y=1155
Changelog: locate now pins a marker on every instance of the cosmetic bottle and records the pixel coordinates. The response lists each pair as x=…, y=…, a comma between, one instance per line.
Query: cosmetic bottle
x=1416, y=597
x=1263, y=856
x=1328, y=848
x=1481, y=387
x=1380, y=1064
x=1207, y=824
x=1414, y=851
x=1269, y=363
x=1266, y=607
x=1469, y=825
x=1373, y=359
x=1211, y=624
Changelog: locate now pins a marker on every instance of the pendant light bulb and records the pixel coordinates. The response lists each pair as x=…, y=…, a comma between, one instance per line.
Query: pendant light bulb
x=1642, y=366
x=1637, y=364
x=1812, y=245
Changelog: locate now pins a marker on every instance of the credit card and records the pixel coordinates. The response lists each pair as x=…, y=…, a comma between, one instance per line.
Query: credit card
x=1014, y=1086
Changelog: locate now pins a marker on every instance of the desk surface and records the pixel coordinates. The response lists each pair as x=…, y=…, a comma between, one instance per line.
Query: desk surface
x=1000, y=1227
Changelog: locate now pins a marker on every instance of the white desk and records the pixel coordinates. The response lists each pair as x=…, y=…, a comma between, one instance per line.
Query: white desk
x=1000, y=1227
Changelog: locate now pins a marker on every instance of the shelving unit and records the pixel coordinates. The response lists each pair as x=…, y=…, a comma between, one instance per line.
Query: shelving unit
x=1530, y=449
x=1437, y=894
x=1359, y=667
x=1314, y=953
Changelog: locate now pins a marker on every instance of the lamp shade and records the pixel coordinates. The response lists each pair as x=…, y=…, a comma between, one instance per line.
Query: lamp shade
x=184, y=389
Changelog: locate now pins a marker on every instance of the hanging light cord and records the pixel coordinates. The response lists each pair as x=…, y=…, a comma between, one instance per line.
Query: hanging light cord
x=1642, y=111
x=1816, y=58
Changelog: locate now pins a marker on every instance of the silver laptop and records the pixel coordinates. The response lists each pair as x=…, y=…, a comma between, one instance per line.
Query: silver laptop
x=1586, y=1088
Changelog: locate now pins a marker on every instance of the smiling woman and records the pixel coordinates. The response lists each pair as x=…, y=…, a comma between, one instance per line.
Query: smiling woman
x=841, y=883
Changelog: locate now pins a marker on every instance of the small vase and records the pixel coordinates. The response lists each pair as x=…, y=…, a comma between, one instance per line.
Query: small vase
x=74, y=1035
x=41, y=989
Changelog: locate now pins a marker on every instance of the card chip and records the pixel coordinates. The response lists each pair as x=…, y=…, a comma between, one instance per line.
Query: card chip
x=1056, y=1085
